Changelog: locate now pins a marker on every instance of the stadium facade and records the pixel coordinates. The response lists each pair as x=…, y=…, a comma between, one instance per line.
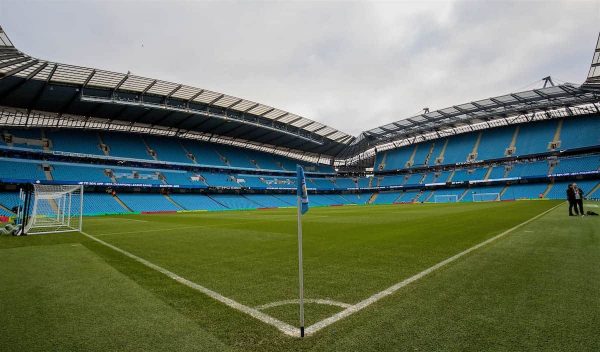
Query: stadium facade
x=145, y=145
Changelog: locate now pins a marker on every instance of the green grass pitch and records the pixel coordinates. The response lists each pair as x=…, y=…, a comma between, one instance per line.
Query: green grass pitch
x=536, y=288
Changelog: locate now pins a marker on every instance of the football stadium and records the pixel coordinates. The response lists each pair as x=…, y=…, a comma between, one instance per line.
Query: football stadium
x=146, y=215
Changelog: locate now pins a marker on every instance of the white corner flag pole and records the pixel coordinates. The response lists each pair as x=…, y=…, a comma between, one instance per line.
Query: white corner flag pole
x=300, y=271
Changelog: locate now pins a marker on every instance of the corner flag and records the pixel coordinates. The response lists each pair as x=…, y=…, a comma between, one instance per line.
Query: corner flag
x=302, y=193
x=302, y=208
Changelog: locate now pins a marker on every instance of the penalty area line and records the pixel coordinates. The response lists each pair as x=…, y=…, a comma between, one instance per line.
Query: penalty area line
x=254, y=313
x=392, y=289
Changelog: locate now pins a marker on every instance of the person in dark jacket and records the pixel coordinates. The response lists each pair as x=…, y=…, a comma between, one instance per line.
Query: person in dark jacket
x=578, y=195
x=571, y=199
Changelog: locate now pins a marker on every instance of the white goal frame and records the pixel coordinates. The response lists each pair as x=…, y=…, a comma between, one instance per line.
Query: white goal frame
x=451, y=198
x=55, y=209
x=486, y=197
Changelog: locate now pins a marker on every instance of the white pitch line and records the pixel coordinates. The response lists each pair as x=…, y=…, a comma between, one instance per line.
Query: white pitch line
x=127, y=219
x=281, y=326
x=122, y=219
x=154, y=230
x=306, y=300
x=390, y=290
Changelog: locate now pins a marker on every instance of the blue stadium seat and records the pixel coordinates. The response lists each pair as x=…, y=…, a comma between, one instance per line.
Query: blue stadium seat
x=167, y=149
x=235, y=156
x=535, y=137
x=234, y=201
x=458, y=192
x=494, y=142
x=363, y=182
x=578, y=164
x=196, y=202
x=407, y=197
x=524, y=191
x=101, y=203
x=147, y=202
x=497, y=173
x=391, y=180
x=203, y=152
x=320, y=183
x=134, y=176
x=421, y=154
x=21, y=169
x=344, y=183
x=79, y=172
x=125, y=145
x=360, y=198
x=395, y=158
x=220, y=180
x=579, y=132
x=266, y=200
x=386, y=197
x=75, y=141
x=26, y=138
x=288, y=198
x=559, y=189
x=459, y=147
x=9, y=200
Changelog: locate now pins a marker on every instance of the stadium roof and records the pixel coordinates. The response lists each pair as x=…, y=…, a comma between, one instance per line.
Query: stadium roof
x=527, y=102
x=35, y=84
x=126, y=99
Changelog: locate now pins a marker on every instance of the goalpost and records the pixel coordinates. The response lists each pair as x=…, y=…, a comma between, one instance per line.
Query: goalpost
x=445, y=198
x=486, y=197
x=52, y=209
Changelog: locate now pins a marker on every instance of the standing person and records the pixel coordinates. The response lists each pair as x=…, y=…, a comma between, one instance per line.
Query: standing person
x=578, y=199
x=571, y=199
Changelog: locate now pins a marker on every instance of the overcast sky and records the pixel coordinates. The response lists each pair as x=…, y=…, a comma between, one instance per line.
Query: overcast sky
x=351, y=65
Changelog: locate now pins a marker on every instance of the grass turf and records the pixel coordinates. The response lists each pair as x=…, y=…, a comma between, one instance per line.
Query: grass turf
x=535, y=289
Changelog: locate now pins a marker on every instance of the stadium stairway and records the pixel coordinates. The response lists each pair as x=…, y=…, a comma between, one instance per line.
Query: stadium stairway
x=418, y=195
x=372, y=198
x=596, y=188
x=258, y=205
x=440, y=158
x=504, y=189
x=428, y=157
x=47, y=171
x=556, y=140
x=426, y=199
x=488, y=173
x=463, y=195
x=105, y=148
x=411, y=160
x=216, y=201
x=174, y=202
x=450, y=176
x=121, y=203
x=45, y=141
x=188, y=153
x=224, y=160
x=473, y=155
x=513, y=142
x=551, y=167
x=5, y=210
x=149, y=150
x=381, y=165
x=547, y=190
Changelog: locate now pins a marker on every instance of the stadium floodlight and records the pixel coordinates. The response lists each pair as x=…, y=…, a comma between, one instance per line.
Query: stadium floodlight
x=486, y=197
x=446, y=198
x=52, y=209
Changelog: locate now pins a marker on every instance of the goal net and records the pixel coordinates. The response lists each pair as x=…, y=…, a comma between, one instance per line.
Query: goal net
x=445, y=198
x=486, y=197
x=54, y=208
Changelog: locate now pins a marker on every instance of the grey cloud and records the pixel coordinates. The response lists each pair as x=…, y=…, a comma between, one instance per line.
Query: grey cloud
x=352, y=65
